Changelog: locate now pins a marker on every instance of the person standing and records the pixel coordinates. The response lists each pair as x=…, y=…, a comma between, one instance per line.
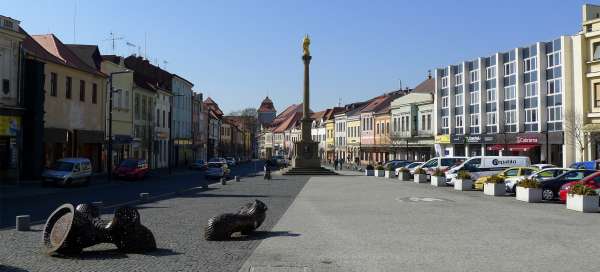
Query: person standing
x=341, y=163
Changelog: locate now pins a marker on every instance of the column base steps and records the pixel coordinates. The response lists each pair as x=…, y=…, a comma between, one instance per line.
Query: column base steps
x=308, y=172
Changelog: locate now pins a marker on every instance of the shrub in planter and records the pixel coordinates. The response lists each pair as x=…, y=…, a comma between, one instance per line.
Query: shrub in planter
x=420, y=175
x=529, y=190
x=463, y=181
x=494, y=186
x=438, y=178
x=582, y=198
x=369, y=170
x=390, y=171
x=404, y=174
x=379, y=171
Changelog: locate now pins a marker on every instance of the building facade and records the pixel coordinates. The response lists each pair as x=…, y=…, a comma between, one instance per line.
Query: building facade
x=11, y=99
x=198, y=128
x=182, y=119
x=511, y=103
x=161, y=129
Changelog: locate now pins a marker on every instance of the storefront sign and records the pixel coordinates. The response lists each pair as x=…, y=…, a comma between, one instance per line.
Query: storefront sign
x=9, y=125
x=473, y=139
x=183, y=142
x=161, y=135
x=442, y=139
x=527, y=140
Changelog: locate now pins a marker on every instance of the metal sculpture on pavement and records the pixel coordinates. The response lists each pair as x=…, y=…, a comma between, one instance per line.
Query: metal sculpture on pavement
x=248, y=218
x=69, y=230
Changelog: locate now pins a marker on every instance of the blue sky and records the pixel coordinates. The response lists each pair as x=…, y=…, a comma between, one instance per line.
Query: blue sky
x=237, y=52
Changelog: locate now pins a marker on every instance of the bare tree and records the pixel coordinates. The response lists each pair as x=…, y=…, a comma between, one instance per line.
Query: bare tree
x=574, y=128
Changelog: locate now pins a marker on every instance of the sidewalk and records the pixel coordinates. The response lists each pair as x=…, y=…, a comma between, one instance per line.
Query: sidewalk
x=32, y=188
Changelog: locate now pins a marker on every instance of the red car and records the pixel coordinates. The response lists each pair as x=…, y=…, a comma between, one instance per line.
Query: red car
x=132, y=169
x=592, y=181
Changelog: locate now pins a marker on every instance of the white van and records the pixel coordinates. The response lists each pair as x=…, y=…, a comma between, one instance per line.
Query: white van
x=68, y=171
x=481, y=166
x=442, y=163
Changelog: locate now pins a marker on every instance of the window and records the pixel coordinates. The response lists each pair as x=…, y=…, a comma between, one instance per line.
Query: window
x=444, y=82
x=490, y=95
x=554, y=86
x=82, y=90
x=459, y=100
x=474, y=120
x=126, y=99
x=94, y=93
x=554, y=114
x=510, y=117
x=597, y=95
x=491, y=118
x=423, y=122
x=474, y=75
x=444, y=102
x=553, y=59
x=596, y=55
x=137, y=106
x=53, y=84
x=510, y=93
x=530, y=64
x=474, y=98
x=490, y=72
x=158, y=118
x=68, y=86
x=444, y=121
x=530, y=116
x=530, y=89
x=459, y=120
x=428, y=121
x=458, y=79
x=509, y=68
x=163, y=118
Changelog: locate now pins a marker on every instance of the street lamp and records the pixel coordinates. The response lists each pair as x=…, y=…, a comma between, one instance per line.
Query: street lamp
x=110, y=105
x=171, y=131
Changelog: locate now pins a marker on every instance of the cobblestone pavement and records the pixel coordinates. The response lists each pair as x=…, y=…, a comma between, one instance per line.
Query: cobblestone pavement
x=177, y=222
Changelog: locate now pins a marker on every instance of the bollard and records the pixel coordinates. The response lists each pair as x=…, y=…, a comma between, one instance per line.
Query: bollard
x=237, y=178
x=144, y=195
x=23, y=222
x=98, y=204
x=223, y=181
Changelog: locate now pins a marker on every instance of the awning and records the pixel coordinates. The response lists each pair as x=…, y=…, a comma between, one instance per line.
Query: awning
x=591, y=128
x=521, y=147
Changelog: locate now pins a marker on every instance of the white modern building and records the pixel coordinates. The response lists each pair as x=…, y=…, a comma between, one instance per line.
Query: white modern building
x=161, y=128
x=511, y=103
x=182, y=119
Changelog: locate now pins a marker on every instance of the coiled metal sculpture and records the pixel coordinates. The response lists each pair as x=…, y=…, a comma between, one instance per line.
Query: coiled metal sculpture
x=69, y=230
x=248, y=218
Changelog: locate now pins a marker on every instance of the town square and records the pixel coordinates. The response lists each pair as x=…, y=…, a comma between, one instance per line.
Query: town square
x=299, y=136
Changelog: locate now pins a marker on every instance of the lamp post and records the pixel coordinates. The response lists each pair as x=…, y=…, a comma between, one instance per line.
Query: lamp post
x=171, y=132
x=110, y=105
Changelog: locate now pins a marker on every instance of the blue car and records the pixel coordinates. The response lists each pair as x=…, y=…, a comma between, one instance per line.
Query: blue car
x=590, y=165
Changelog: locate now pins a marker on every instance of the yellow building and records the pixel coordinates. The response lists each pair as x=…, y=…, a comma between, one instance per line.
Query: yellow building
x=122, y=110
x=74, y=101
x=330, y=138
x=382, y=134
x=586, y=63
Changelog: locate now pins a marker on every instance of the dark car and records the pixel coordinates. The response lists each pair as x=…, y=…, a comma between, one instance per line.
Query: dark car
x=551, y=187
x=198, y=165
x=132, y=169
x=396, y=164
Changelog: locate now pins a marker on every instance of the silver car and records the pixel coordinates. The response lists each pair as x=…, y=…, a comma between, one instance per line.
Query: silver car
x=68, y=171
x=216, y=170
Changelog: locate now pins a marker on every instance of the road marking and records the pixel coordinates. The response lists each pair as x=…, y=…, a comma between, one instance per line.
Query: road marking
x=421, y=199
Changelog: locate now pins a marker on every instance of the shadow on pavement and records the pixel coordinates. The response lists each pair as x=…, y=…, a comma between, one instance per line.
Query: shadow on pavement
x=224, y=195
x=262, y=235
x=8, y=268
x=105, y=254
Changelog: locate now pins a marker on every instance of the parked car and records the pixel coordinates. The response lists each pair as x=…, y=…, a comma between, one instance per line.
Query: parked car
x=217, y=170
x=279, y=161
x=231, y=162
x=444, y=163
x=585, y=165
x=543, y=165
x=132, y=169
x=551, y=187
x=483, y=166
x=540, y=175
x=411, y=167
x=396, y=164
x=217, y=159
x=198, y=165
x=68, y=171
x=592, y=181
x=508, y=173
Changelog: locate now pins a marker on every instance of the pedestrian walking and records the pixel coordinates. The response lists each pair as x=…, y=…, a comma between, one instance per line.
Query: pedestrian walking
x=341, y=164
x=267, y=169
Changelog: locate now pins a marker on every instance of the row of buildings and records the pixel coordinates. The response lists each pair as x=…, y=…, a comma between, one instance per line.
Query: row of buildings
x=64, y=100
x=540, y=100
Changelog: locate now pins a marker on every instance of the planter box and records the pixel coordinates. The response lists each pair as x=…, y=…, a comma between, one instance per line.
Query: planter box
x=581, y=203
x=420, y=178
x=404, y=176
x=463, y=184
x=379, y=173
x=530, y=195
x=390, y=174
x=438, y=181
x=369, y=173
x=494, y=189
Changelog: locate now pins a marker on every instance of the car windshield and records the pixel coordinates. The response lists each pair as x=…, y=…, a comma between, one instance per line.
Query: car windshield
x=62, y=166
x=215, y=165
x=129, y=163
x=413, y=165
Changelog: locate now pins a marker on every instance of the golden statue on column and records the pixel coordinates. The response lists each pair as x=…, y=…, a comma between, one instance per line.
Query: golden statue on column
x=305, y=45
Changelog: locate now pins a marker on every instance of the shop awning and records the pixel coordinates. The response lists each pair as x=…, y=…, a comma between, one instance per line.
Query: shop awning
x=591, y=128
x=521, y=147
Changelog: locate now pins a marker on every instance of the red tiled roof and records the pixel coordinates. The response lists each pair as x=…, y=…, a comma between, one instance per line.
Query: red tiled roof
x=266, y=105
x=213, y=106
x=426, y=86
x=288, y=123
x=61, y=54
x=374, y=104
x=318, y=115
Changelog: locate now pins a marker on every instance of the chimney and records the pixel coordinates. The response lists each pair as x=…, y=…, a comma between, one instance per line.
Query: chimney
x=428, y=74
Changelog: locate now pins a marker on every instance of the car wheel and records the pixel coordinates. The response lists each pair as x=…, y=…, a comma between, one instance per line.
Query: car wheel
x=547, y=194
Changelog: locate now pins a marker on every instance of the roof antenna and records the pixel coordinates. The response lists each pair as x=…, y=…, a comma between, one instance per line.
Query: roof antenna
x=339, y=102
x=400, y=84
x=74, y=21
x=113, y=39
